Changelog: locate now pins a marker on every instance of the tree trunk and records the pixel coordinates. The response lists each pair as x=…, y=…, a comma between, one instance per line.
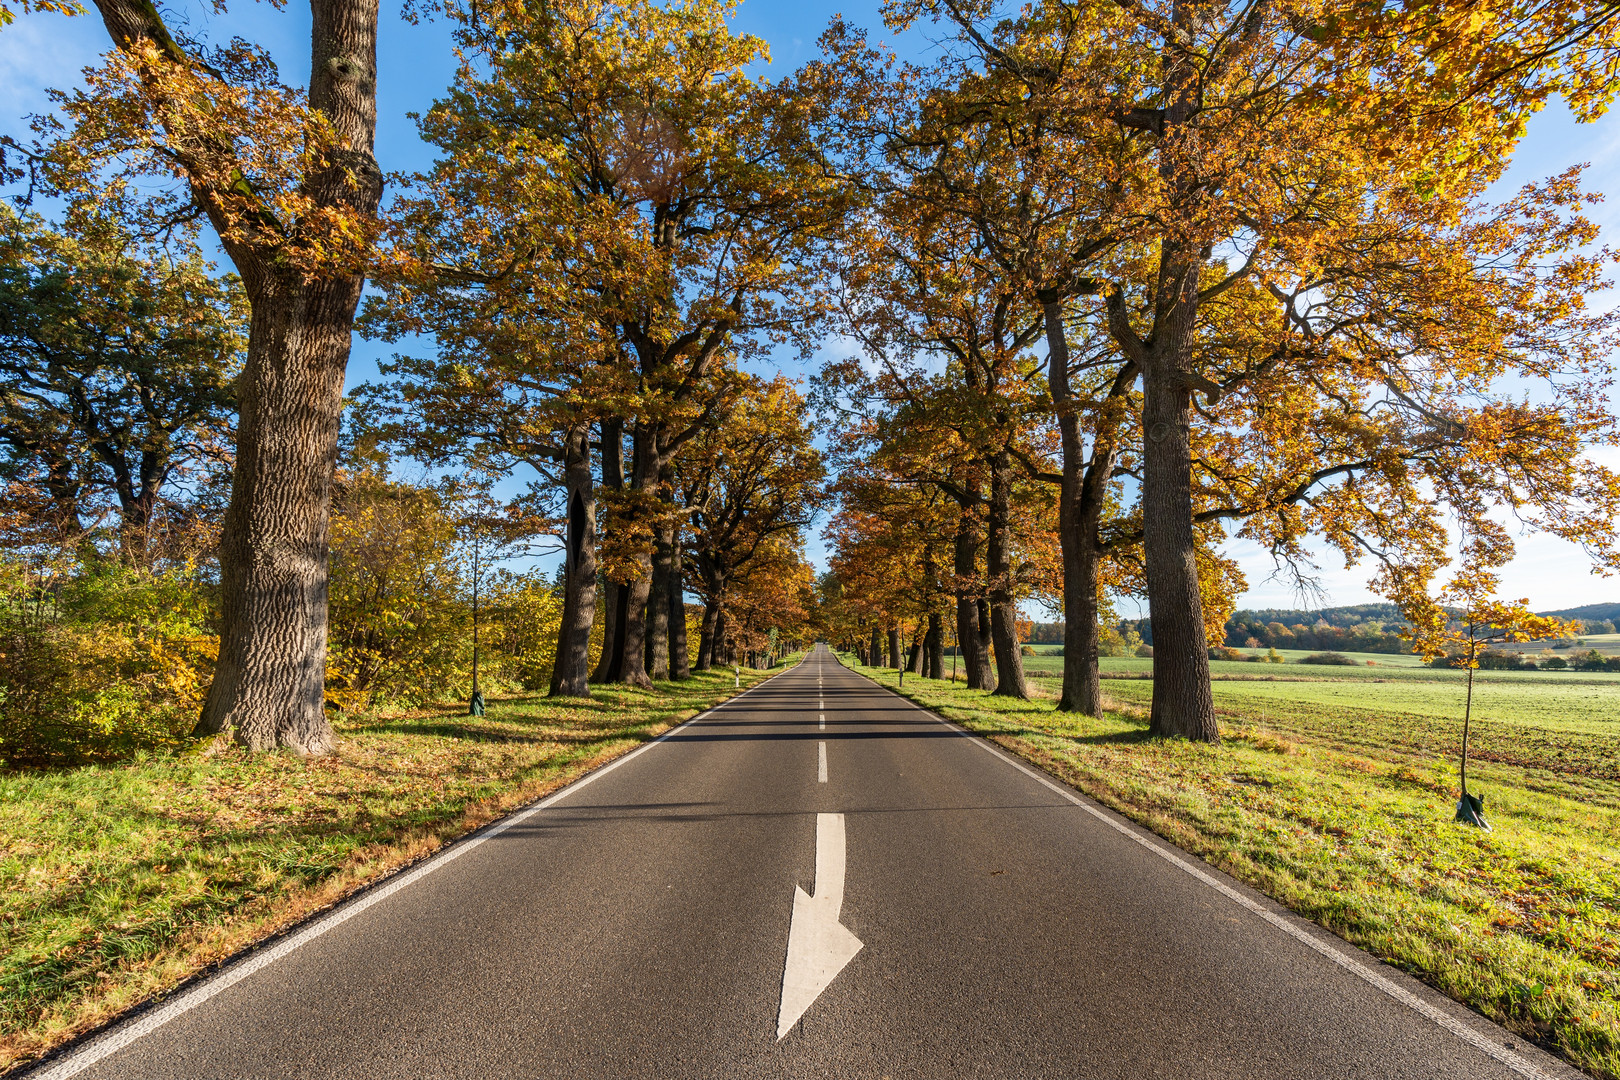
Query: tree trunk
x=934, y=646
x=914, y=656
x=612, y=595
x=876, y=650
x=705, y=659
x=722, y=649
x=644, y=476
x=982, y=605
x=894, y=649
x=632, y=661
x=1183, y=703
x=270, y=678
x=570, y=672
x=999, y=570
x=1080, y=506
x=969, y=641
x=680, y=666
x=658, y=601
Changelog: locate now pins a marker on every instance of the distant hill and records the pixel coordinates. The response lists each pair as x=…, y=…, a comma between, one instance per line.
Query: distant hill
x=1610, y=612
x=1354, y=614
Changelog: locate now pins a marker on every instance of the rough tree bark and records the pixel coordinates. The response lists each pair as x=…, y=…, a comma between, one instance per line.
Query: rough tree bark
x=570, y=673
x=982, y=605
x=612, y=594
x=659, y=601
x=875, y=652
x=969, y=640
x=644, y=472
x=1183, y=703
x=722, y=647
x=680, y=664
x=269, y=681
x=711, y=614
x=894, y=649
x=934, y=648
x=999, y=569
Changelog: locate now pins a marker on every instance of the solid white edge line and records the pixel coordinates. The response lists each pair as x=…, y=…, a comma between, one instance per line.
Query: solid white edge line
x=104, y=1046
x=1519, y=1064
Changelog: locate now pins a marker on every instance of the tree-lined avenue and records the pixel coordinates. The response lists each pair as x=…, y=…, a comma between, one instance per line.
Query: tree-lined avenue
x=950, y=913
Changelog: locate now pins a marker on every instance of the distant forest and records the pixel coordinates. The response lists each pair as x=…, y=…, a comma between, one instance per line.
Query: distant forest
x=1373, y=628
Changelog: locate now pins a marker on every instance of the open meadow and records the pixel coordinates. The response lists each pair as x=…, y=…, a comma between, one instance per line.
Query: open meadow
x=1572, y=701
x=1333, y=790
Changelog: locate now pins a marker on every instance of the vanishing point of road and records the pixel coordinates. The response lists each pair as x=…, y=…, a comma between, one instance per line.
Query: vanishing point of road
x=815, y=879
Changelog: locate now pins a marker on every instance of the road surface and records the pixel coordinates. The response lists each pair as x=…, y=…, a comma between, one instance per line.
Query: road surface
x=816, y=879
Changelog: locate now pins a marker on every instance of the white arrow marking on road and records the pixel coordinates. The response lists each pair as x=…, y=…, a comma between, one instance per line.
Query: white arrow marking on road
x=818, y=944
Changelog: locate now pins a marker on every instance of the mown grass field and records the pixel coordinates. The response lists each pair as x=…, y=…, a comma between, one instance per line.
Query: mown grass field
x=119, y=882
x=1574, y=701
x=1333, y=791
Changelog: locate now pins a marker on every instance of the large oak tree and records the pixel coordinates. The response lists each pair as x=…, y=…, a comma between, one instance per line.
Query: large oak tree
x=286, y=178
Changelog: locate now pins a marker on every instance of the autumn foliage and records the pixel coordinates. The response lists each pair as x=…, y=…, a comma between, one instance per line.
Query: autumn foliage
x=1115, y=286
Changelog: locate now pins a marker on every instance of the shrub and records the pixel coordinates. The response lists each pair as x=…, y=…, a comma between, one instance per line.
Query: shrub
x=1590, y=661
x=1026, y=650
x=1335, y=659
x=98, y=660
x=1226, y=652
x=1110, y=642
x=1273, y=656
x=1145, y=651
x=1554, y=663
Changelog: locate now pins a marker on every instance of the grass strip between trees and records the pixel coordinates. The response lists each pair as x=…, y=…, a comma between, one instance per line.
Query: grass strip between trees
x=119, y=882
x=1344, y=816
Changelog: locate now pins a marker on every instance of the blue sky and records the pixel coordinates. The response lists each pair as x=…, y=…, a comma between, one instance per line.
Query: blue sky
x=40, y=51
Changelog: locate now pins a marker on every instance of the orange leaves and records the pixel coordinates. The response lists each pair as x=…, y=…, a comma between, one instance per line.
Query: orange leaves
x=60, y=7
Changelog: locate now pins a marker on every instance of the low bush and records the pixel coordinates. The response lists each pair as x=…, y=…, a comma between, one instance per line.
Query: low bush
x=1330, y=658
x=99, y=661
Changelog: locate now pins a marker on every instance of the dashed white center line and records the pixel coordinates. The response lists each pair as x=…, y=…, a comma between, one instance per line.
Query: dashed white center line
x=823, y=721
x=821, y=769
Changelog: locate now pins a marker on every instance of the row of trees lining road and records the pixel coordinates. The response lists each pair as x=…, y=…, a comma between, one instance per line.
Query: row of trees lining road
x=1274, y=295
x=620, y=217
x=1123, y=281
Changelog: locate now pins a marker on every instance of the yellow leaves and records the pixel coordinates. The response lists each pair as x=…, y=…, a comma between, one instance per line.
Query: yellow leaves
x=60, y=7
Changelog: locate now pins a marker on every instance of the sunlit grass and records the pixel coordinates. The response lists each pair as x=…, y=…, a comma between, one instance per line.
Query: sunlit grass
x=1561, y=700
x=1344, y=813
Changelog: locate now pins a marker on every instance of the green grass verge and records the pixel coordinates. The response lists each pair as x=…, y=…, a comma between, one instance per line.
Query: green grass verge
x=1344, y=815
x=118, y=882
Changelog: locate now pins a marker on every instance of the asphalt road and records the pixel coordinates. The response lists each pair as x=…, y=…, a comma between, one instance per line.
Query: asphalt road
x=638, y=925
